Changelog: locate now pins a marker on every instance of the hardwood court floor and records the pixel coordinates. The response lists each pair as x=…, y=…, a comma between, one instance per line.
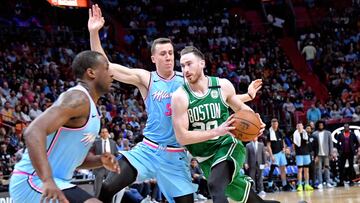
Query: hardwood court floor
x=327, y=195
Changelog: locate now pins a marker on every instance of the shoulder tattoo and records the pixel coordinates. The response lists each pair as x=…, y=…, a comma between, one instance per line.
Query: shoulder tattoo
x=74, y=99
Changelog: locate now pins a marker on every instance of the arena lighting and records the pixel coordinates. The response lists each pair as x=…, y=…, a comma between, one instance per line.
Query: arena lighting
x=73, y=3
x=355, y=128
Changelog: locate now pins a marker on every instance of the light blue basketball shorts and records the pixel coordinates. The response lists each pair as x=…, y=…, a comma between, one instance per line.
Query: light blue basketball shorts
x=303, y=160
x=280, y=159
x=169, y=166
x=25, y=187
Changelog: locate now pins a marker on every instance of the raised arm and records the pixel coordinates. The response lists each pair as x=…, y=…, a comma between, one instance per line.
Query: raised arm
x=138, y=77
x=235, y=104
x=230, y=96
x=253, y=88
x=179, y=105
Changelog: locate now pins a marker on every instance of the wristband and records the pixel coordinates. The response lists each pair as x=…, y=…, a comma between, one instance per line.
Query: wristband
x=250, y=96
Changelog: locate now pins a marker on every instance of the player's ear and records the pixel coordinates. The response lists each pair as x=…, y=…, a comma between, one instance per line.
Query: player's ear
x=202, y=63
x=153, y=59
x=91, y=73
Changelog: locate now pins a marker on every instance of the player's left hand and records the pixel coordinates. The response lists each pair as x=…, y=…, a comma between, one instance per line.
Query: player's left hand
x=262, y=127
x=254, y=87
x=109, y=162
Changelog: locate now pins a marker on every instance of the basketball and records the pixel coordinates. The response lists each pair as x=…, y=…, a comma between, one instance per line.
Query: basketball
x=247, y=125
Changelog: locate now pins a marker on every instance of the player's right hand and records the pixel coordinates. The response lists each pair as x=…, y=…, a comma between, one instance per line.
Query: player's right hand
x=96, y=20
x=51, y=193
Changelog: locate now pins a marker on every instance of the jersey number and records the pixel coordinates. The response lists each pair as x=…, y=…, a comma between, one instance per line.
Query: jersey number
x=202, y=126
x=206, y=126
x=168, y=108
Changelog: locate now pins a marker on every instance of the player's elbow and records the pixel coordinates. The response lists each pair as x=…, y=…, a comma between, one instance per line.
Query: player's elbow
x=31, y=134
x=181, y=138
x=28, y=136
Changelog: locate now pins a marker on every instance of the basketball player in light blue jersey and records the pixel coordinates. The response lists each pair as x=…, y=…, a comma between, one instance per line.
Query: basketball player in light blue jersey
x=58, y=141
x=159, y=155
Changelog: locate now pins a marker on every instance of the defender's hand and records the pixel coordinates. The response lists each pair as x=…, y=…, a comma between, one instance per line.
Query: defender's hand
x=96, y=20
x=254, y=87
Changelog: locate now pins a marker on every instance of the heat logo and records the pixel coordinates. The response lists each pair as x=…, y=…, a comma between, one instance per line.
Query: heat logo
x=160, y=95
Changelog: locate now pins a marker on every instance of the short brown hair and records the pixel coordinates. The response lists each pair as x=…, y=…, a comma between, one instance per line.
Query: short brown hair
x=274, y=120
x=83, y=61
x=160, y=41
x=194, y=50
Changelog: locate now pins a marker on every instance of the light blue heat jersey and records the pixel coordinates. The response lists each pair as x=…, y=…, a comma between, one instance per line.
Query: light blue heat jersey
x=65, y=149
x=158, y=105
x=160, y=156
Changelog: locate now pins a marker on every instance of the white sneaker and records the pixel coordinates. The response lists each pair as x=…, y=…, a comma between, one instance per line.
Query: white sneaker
x=262, y=193
x=196, y=197
x=201, y=197
x=320, y=186
x=329, y=185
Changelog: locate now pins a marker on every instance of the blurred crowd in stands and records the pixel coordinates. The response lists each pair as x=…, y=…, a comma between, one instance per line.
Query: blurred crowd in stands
x=35, y=55
x=332, y=52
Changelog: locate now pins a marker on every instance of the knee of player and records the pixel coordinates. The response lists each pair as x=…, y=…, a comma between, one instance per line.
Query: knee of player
x=213, y=186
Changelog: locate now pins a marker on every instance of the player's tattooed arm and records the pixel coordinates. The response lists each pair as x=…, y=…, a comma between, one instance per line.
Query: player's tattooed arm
x=70, y=105
x=74, y=100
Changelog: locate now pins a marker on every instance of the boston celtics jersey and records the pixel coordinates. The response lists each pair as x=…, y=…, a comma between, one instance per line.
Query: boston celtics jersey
x=205, y=113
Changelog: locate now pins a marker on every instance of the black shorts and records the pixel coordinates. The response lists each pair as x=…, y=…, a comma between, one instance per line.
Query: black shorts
x=76, y=195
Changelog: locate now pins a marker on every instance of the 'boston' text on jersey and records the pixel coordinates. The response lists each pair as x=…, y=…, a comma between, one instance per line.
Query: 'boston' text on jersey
x=204, y=112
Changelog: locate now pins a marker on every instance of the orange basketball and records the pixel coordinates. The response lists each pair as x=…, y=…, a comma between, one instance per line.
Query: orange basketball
x=247, y=125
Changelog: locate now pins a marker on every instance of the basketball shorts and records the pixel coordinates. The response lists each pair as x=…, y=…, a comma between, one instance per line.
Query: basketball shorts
x=234, y=151
x=280, y=159
x=28, y=188
x=169, y=166
x=303, y=160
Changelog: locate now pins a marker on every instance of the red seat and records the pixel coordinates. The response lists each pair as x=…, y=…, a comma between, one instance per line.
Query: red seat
x=299, y=116
x=345, y=120
x=332, y=121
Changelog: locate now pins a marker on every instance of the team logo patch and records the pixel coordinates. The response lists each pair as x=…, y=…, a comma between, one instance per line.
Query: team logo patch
x=214, y=94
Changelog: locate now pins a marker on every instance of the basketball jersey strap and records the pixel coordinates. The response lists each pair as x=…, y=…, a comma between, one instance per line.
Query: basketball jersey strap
x=214, y=84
